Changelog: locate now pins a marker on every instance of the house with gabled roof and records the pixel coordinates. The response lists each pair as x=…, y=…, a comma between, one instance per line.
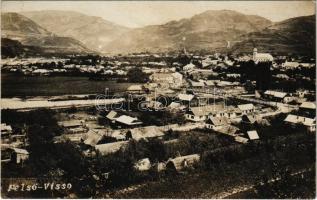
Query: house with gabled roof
x=229, y=112
x=308, y=109
x=275, y=95
x=216, y=122
x=246, y=108
x=201, y=113
x=309, y=123
x=144, y=133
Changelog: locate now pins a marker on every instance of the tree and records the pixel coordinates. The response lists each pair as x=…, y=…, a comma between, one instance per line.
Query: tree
x=135, y=75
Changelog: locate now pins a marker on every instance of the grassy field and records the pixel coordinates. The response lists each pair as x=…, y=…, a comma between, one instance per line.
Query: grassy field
x=300, y=186
x=281, y=153
x=208, y=184
x=14, y=85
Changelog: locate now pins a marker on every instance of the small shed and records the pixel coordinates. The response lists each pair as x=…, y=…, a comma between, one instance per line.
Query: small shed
x=253, y=135
x=183, y=162
x=109, y=148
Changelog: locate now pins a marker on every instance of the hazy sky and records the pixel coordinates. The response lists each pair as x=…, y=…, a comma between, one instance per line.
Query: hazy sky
x=141, y=13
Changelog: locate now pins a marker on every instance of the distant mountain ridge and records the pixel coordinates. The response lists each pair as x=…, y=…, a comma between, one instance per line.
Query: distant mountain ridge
x=19, y=24
x=295, y=35
x=214, y=30
x=208, y=30
x=27, y=33
x=94, y=32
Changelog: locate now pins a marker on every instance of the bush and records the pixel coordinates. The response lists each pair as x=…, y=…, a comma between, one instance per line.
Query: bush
x=135, y=75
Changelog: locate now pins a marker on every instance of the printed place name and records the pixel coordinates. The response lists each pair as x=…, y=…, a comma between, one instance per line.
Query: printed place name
x=21, y=187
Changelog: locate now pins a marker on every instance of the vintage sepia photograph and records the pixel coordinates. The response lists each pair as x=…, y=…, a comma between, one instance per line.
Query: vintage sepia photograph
x=158, y=99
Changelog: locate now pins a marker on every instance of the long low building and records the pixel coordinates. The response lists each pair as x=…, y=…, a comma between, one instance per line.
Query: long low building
x=19, y=104
x=105, y=149
x=309, y=123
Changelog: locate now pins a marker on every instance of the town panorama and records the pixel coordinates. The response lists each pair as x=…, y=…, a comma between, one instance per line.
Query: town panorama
x=158, y=99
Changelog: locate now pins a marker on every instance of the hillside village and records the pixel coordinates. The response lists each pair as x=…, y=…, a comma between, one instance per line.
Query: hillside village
x=211, y=94
x=119, y=125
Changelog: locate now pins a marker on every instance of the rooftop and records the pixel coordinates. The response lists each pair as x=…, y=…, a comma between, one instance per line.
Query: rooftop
x=275, y=93
x=124, y=119
x=109, y=148
x=146, y=132
x=218, y=121
x=135, y=88
x=185, y=97
x=308, y=105
x=295, y=119
x=244, y=107
x=206, y=110
x=253, y=135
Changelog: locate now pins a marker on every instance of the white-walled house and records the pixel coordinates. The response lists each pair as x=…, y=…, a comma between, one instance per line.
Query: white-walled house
x=203, y=112
x=173, y=80
x=309, y=123
x=246, y=108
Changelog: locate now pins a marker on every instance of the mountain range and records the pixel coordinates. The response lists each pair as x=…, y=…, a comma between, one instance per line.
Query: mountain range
x=24, y=33
x=93, y=32
x=295, y=35
x=222, y=30
x=210, y=30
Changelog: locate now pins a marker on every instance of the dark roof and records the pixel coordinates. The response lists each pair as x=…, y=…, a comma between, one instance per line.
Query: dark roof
x=218, y=121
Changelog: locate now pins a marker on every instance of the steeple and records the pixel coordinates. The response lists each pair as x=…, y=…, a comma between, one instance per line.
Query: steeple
x=184, y=51
x=255, y=51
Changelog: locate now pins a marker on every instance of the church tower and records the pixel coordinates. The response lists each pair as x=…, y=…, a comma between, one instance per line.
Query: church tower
x=255, y=52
